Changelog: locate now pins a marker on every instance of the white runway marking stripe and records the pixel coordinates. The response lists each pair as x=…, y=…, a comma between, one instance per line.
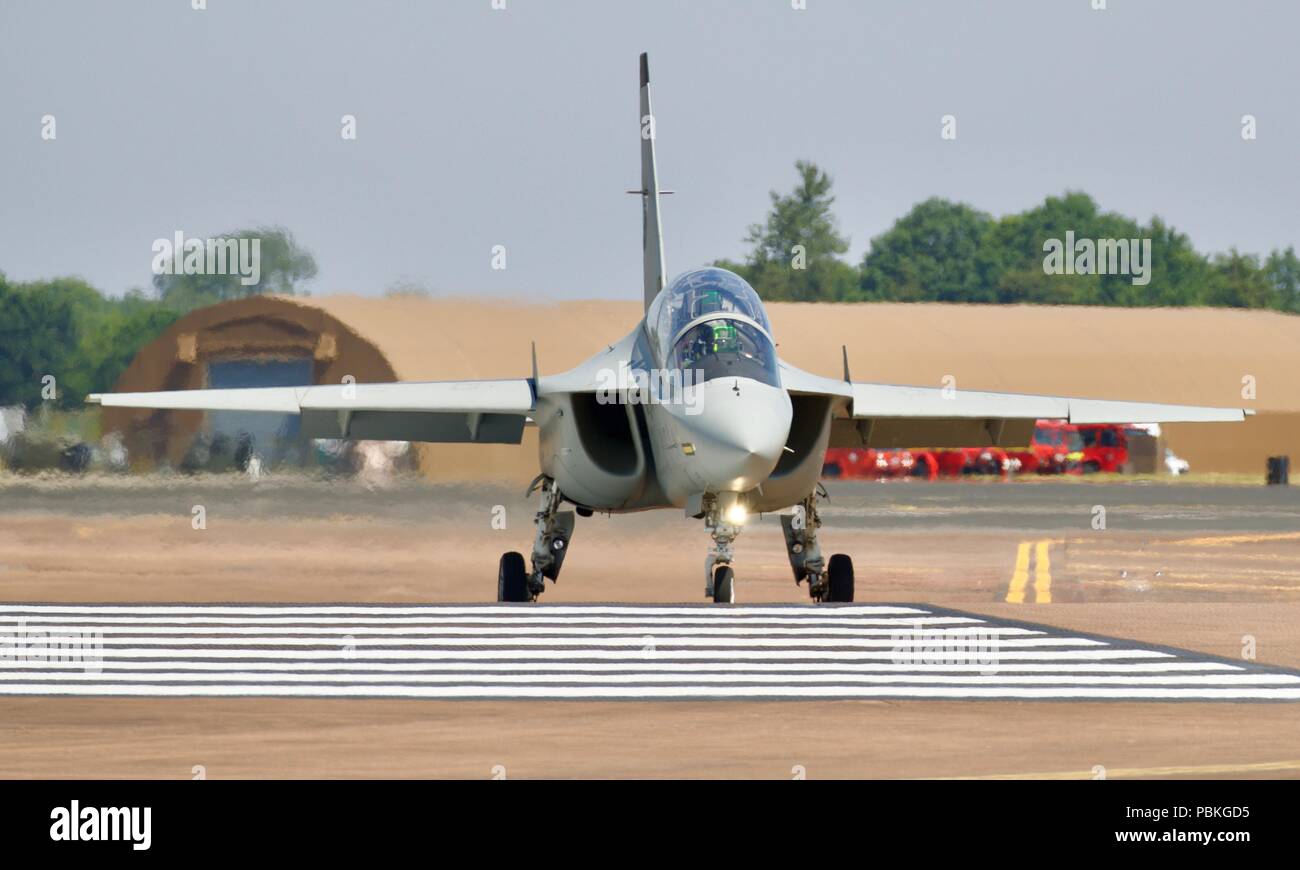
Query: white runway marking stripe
x=120, y=625
x=689, y=678
x=676, y=693
x=547, y=642
x=625, y=654
x=646, y=666
x=536, y=617
x=448, y=610
x=594, y=652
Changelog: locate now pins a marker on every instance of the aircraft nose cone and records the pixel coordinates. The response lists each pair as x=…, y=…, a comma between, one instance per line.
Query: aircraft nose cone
x=743, y=426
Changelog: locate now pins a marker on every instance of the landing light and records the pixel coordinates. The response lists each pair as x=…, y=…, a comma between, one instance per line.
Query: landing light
x=737, y=514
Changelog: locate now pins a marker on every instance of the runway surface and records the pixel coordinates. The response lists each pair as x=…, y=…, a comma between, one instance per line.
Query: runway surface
x=595, y=652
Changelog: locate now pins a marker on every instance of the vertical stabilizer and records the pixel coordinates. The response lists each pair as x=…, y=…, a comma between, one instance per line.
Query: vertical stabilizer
x=652, y=249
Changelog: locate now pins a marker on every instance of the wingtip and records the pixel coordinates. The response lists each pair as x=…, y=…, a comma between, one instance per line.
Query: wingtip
x=645, y=69
x=95, y=399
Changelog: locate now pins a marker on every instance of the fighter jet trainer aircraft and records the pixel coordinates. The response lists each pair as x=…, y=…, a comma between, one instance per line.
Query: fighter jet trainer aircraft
x=692, y=410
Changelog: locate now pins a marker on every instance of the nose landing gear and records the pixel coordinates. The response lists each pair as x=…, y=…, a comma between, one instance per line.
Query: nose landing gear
x=833, y=581
x=719, y=578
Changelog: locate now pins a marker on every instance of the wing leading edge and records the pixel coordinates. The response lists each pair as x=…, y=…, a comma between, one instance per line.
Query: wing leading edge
x=888, y=400
x=885, y=415
x=485, y=412
x=892, y=415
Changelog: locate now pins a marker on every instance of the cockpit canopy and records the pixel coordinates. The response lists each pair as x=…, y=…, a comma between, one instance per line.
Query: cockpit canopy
x=711, y=321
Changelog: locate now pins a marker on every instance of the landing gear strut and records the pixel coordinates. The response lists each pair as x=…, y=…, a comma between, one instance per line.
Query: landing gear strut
x=554, y=530
x=719, y=578
x=826, y=582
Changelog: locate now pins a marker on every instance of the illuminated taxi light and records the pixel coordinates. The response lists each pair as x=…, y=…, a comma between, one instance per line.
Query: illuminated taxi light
x=737, y=514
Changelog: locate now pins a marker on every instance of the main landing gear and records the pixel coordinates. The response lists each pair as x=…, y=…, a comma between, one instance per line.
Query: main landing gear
x=827, y=581
x=554, y=530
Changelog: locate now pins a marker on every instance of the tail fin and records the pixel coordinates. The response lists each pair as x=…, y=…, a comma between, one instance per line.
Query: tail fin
x=652, y=249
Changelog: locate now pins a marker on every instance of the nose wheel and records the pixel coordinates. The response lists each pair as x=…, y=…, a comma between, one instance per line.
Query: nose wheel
x=719, y=578
x=724, y=585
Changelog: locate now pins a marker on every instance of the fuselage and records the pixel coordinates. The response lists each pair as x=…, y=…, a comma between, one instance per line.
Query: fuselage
x=731, y=444
x=699, y=384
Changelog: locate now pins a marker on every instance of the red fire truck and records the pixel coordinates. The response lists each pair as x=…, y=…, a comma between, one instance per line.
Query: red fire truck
x=868, y=463
x=1057, y=448
x=1105, y=448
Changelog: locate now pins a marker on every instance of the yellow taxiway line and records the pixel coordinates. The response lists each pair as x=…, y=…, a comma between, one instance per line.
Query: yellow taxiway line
x=1020, y=576
x=1130, y=772
x=1042, y=573
x=1230, y=540
x=1042, y=562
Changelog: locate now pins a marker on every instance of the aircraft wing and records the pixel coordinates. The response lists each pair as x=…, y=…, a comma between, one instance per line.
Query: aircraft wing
x=888, y=415
x=484, y=412
x=892, y=415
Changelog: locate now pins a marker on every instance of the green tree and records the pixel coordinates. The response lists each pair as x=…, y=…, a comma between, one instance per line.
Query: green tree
x=1031, y=285
x=949, y=251
x=284, y=266
x=937, y=251
x=1020, y=241
x=1282, y=268
x=66, y=329
x=1238, y=281
x=42, y=325
x=795, y=254
x=114, y=338
x=1179, y=274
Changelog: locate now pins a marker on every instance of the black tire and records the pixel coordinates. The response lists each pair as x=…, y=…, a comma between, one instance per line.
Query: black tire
x=839, y=579
x=724, y=585
x=512, y=578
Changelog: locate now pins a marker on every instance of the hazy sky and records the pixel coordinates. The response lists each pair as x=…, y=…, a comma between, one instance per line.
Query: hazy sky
x=479, y=127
